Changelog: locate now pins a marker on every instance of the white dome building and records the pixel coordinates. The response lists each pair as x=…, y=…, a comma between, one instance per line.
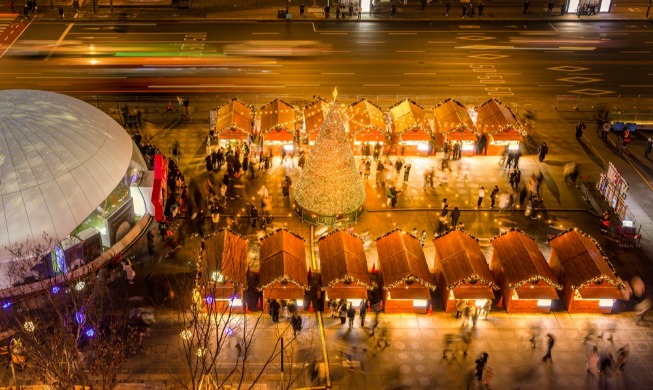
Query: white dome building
x=60, y=159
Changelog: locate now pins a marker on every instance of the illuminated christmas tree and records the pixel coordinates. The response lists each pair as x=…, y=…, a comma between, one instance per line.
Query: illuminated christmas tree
x=330, y=186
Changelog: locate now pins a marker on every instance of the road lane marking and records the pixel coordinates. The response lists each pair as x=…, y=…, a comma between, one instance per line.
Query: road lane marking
x=61, y=38
x=338, y=73
x=411, y=51
x=442, y=42
x=261, y=72
x=420, y=74
x=215, y=86
x=336, y=51
x=553, y=27
x=637, y=86
x=380, y=85
x=635, y=52
x=265, y=33
x=375, y=42
x=304, y=85
x=333, y=33
x=402, y=33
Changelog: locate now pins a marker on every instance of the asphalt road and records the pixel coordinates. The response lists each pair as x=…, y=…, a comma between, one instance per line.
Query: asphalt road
x=450, y=59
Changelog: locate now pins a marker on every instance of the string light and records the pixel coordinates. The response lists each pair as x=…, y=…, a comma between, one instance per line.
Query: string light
x=408, y=115
x=314, y=114
x=234, y=115
x=330, y=184
x=408, y=279
x=365, y=117
x=473, y=278
x=278, y=116
x=452, y=116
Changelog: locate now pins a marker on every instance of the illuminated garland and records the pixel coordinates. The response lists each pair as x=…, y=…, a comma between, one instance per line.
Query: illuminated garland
x=512, y=230
x=283, y=280
x=233, y=126
x=347, y=279
x=409, y=279
x=473, y=279
x=517, y=126
x=278, y=127
x=616, y=281
x=392, y=231
x=353, y=111
x=329, y=184
x=534, y=279
x=278, y=230
x=454, y=229
x=314, y=108
x=341, y=230
x=461, y=126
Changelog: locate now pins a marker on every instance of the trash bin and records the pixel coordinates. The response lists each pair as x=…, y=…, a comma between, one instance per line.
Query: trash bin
x=281, y=13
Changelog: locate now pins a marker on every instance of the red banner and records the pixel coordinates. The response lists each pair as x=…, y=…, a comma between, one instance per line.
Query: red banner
x=160, y=187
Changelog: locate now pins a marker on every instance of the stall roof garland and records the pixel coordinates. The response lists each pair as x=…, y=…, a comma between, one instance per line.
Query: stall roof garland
x=284, y=280
x=473, y=279
x=404, y=122
x=534, y=279
x=272, y=233
x=347, y=279
x=410, y=279
x=340, y=230
x=512, y=230
x=617, y=282
x=232, y=124
x=392, y=231
x=457, y=229
x=501, y=108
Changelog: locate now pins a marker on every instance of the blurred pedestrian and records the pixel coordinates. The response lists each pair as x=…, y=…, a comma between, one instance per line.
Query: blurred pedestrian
x=285, y=187
x=407, y=168
x=447, y=7
x=493, y=196
x=61, y=11
x=526, y=4
x=622, y=357
x=593, y=361
x=475, y=314
x=481, y=361
x=423, y=238
x=455, y=216
x=274, y=308
x=481, y=195
x=362, y=310
x=351, y=314
x=130, y=274
x=448, y=346
x=580, y=128
x=342, y=312
x=549, y=8
x=466, y=314
x=542, y=151
x=649, y=147
x=550, y=342
x=296, y=322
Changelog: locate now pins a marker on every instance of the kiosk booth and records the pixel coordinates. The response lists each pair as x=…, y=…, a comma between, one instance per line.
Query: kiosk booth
x=589, y=283
x=223, y=264
x=410, y=125
x=314, y=115
x=453, y=124
x=405, y=276
x=366, y=125
x=234, y=123
x=343, y=266
x=461, y=270
x=500, y=127
x=278, y=123
x=528, y=284
x=283, y=273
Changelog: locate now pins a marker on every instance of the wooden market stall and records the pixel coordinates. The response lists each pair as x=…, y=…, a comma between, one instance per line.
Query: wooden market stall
x=283, y=273
x=314, y=115
x=343, y=266
x=500, y=127
x=528, y=284
x=234, y=122
x=454, y=124
x=278, y=125
x=589, y=283
x=405, y=276
x=410, y=125
x=223, y=266
x=366, y=125
x=461, y=270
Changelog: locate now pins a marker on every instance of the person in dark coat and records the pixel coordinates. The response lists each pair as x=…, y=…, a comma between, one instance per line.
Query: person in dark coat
x=209, y=163
x=296, y=322
x=493, y=196
x=455, y=216
x=285, y=187
x=351, y=314
x=362, y=310
x=275, y=307
x=580, y=127
x=550, y=342
x=542, y=151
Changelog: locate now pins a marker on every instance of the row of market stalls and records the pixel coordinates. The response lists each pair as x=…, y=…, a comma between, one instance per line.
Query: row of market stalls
x=577, y=272
x=414, y=130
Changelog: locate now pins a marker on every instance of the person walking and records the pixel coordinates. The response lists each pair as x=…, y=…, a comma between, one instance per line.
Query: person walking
x=351, y=314
x=130, y=274
x=464, y=10
x=526, y=4
x=301, y=10
x=542, y=151
x=455, y=216
x=447, y=7
x=649, y=147
x=480, y=13
x=285, y=187
x=493, y=196
x=61, y=11
x=481, y=361
x=423, y=238
x=580, y=127
x=466, y=314
x=407, y=168
x=362, y=310
x=593, y=361
x=549, y=8
x=342, y=312
x=275, y=307
x=296, y=322
x=549, y=346
x=481, y=195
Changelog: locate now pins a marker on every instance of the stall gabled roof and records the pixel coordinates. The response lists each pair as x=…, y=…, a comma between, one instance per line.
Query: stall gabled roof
x=365, y=115
x=283, y=259
x=493, y=117
x=234, y=115
x=451, y=115
x=342, y=259
x=408, y=115
x=314, y=114
x=459, y=256
x=225, y=252
x=582, y=260
x=521, y=260
x=401, y=259
x=278, y=115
